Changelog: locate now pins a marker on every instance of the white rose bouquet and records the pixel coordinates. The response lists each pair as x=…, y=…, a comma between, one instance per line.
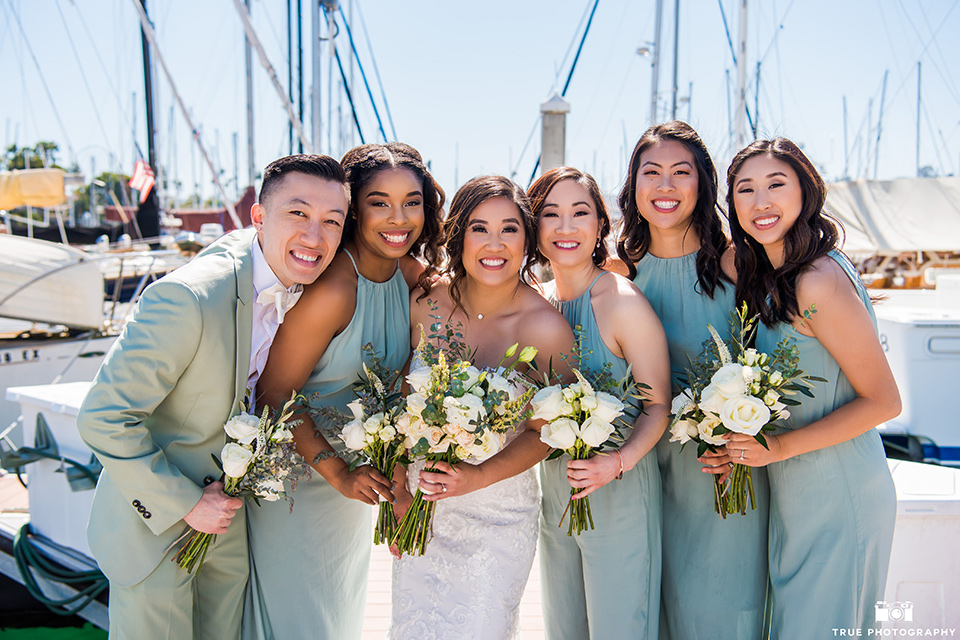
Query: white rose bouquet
x=455, y=412
x=372, y=429
x=258, y=457
x=737, y=389
x=582, y=420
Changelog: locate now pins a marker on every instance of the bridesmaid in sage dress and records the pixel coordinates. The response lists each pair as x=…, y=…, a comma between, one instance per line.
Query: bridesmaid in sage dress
x=832, y=500
x=604, y=583
x=672, y=246
x=309, y=566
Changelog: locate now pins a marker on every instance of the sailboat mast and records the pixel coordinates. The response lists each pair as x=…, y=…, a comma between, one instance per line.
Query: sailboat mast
x=676, y=56
x=148, y=88
x=876, y=148
x=655, y=63
x=315, y=69
x=918, y=118
x=248, y=60
x=741, y=128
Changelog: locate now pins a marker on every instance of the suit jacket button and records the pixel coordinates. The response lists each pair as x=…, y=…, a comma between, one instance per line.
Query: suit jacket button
x=136, y=503
x=207, y=480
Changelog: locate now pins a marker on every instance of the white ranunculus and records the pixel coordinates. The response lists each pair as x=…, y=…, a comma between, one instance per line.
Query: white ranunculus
x=356, y=408
x=416, y=403
x=608, y=408
x=235, y=459
x=270, y=489
x=729, y=380
x=705, y=429
x=560, y=434
x=594, y=431
x=745, y=414
x=548, y=404
x=683, y=400
x=242, y=427
x=353, y=435
x=419, y=379
x=461, y=452
x=711, y=400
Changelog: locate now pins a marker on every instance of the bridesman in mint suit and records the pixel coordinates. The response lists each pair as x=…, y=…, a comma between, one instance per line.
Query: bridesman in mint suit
x=178, y=372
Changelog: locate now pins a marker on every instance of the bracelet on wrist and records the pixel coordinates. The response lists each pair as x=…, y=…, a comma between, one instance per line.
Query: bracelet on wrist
x=620, y=475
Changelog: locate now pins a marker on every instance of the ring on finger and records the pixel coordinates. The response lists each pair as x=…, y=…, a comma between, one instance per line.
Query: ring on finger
x=731, y=464
x=443, y=488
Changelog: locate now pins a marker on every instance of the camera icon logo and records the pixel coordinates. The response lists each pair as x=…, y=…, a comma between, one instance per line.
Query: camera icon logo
x=894, y=611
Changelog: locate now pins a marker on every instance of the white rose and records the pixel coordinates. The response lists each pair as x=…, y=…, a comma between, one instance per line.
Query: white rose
x=683, y=431
x=548, y=404
x=705, y=429
x=560, y=434
x=489, y=445
x=416, y=403
x=356, y=408
x=776, y=378
x=711, y=400
x=461, y=452
x=751, y=357
x=242, y=427
x=745, y=415
x=443, y=445
x=770, y=398
x=608, y=408
x=729, y=380
x=465, y=438
x=419, y=379
x=589, y=403
x=373, y=423
x=683, y=399
x=354, y=436
x=270, y=489
x=594, y=431
x=388, y=433
x=235, y=459
x=434, y=435
x=281, y=435
x=572, y=392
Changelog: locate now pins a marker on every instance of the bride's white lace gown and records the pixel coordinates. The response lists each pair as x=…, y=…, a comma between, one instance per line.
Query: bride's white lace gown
x=469, y=582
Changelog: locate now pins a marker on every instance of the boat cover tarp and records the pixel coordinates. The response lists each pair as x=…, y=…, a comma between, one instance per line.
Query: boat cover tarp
x=907, y=214
x=31, y=187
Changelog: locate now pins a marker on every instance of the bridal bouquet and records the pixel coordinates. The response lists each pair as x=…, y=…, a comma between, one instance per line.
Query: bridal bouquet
x=737, y=389
x=373, y=431
x=454, y=412
x=258, y=457
x=582, y=419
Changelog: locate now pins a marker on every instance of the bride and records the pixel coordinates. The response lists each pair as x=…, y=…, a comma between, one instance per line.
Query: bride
x=469, y=581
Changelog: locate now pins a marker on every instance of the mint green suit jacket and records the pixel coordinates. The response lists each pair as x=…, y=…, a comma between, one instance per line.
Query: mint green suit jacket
x=156, y=410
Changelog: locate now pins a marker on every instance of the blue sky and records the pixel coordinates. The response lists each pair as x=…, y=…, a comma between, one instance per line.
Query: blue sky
x=464, y=80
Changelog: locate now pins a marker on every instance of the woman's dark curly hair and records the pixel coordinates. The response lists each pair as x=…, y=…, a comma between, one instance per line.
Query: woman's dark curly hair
x=364, y=162
x=769, y=291
x=635, y=234
x=454, y=229
x=540, y=189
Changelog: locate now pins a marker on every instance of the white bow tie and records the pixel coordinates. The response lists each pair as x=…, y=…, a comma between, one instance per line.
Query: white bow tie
x=281, y=299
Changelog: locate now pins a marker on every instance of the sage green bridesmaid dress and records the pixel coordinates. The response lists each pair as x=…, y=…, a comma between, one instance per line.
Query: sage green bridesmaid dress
x=308, y=567
x=707, y=591
x=605, y=583
x=832, y=511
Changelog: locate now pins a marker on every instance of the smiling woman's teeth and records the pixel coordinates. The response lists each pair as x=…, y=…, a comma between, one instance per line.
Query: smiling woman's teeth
x=395, y=237
x=766, y=222
x=666, y=204
x=492, y=262
x=305, y=258
x=567, y=245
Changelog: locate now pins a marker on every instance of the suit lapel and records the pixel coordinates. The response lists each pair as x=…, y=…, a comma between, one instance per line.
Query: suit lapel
x=244, y=271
